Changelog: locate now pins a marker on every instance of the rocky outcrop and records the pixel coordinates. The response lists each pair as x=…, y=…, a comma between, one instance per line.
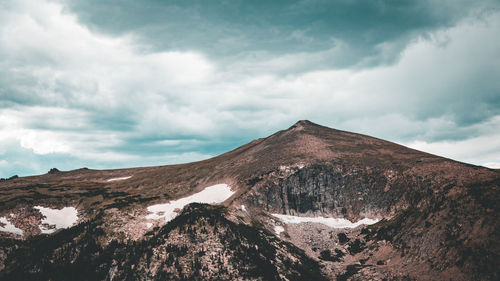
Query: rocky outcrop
x=335, y=191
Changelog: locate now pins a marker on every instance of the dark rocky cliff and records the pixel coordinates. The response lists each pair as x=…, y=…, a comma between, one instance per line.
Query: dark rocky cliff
x=326, y=190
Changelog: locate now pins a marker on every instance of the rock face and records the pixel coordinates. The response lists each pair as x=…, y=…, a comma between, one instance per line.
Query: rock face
x=438, y=216
x=323, y=189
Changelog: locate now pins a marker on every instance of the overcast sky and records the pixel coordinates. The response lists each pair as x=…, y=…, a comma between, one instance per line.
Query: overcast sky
x=128, y=83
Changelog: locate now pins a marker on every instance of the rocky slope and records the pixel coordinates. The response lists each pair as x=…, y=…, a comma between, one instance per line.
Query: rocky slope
x=437, y=216
x=199, y=244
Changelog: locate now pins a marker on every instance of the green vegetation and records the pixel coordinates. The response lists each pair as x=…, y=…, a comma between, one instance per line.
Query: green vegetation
x=357, y=246
x=350, y=271
x=342, y=238
x=327, y=255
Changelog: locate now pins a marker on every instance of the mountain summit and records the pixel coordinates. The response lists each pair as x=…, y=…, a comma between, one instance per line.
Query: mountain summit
x=306, y=203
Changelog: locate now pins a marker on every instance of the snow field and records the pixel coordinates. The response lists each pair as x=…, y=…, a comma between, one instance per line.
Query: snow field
x=60, y=218
x=9, y=227
x=119, y=179
x=210, y=195
x=278, y=229
x=330, y=222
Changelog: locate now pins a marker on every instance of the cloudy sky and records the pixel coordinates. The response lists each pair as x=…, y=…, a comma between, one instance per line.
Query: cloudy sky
x=110, y=84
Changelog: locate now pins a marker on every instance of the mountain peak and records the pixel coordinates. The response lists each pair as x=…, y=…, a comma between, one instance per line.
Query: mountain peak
x=303, y=124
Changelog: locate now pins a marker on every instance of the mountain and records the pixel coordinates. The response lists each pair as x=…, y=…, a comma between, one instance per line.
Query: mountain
x=420, y=216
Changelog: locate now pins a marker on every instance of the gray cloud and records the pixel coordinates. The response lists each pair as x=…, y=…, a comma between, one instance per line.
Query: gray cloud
x=373, y=31
x=102, y=92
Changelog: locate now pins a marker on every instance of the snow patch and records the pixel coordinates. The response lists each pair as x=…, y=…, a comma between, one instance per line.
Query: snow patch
x=278, y=229
x=299, y=166
x=119, y=179
x=243, y=208
x=330, y=222
x=149, y=225
x=213, y=194
x=9, y=227
x=57, y=218
x=46, y=230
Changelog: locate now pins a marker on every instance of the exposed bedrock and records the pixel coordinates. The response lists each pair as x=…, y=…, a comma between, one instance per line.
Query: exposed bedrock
x=336, y=191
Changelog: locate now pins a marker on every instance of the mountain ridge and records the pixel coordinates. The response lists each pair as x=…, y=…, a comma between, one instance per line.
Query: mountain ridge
x=437, y=215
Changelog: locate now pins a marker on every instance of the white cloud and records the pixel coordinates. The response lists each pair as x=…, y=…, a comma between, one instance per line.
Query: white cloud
x=77, y=85
x=96, y=70
x=492, y=165
x=73, y=74
x=43, y=143
x=483, y=150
